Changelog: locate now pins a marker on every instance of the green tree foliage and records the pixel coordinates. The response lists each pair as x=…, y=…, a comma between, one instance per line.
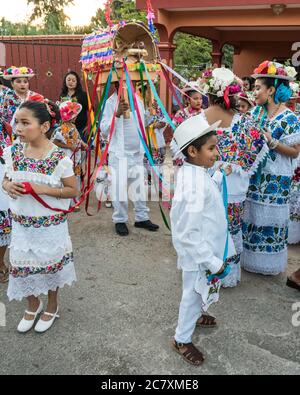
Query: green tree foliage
x=120, y=10
x=52, y=14
x=191, y=55
x=228, y=52
x=8, y=28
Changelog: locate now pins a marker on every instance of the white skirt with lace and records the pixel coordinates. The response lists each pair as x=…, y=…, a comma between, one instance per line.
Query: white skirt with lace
x=41, y=257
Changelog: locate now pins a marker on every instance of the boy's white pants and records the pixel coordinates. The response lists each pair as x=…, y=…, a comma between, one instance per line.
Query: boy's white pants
x=190, y=308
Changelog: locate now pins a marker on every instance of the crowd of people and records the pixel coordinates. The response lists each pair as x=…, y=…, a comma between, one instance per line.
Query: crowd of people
x=236, y=202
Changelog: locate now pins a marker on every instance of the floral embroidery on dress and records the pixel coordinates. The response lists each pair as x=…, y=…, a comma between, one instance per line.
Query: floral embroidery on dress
x=5, y=140
x=241, y=144
x=266, y=239
x=38, y=222
x=9, y=104
x=43, y=166
x=296, y=177
x=235, y=217
x=184, y=114
x=20, y=271
x=271, y=189
x=71, y=137
x=5, y=222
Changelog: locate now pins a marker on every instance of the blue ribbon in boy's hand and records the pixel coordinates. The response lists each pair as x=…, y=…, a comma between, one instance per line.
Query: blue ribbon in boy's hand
x=220, y=276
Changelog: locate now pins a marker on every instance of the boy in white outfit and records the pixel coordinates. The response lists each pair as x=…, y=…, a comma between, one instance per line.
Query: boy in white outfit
x=199, y=232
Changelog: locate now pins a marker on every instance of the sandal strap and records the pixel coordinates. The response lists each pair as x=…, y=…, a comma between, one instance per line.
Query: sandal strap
x=208, y=319
x=51, y=314
x=30, y=312
x=191, y=353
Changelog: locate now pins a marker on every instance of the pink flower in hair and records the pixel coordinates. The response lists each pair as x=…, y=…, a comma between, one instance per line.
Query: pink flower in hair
x=207, y=74
x=281, y=71
x=234, y=89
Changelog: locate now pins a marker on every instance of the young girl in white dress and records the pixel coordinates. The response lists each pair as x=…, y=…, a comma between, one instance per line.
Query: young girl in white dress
x=41, y=255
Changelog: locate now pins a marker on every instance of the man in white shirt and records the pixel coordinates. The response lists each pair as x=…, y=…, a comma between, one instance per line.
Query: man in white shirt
x=126, y=155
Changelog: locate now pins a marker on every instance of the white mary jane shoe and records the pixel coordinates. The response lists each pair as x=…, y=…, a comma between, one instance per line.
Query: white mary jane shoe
x=26, y=325
x=43, y=326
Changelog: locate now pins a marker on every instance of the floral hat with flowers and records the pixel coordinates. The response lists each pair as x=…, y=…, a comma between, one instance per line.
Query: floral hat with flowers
x=220, y=82
x=248, y=97
x=69, y=110
x=18, y=72
x=269, y=69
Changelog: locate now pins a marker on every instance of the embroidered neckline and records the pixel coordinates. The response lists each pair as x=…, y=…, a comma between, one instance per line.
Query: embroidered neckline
x=44, y=166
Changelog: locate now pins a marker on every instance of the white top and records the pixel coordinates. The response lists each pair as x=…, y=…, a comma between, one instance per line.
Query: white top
x=30, y=171
x=131, y=138
x=198, y=220
x=125, y=138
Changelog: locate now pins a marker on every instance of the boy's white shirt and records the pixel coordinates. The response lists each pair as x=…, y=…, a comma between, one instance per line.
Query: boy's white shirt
x=117, y=145
x=198, y=220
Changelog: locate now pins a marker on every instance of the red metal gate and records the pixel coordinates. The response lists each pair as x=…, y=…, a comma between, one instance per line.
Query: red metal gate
x=49, y=56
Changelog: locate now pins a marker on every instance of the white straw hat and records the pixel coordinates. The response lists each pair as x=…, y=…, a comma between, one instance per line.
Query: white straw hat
x=191, y=129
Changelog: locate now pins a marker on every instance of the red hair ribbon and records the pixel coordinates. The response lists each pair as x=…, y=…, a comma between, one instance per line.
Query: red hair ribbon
x=41, y=99
x=226, y=97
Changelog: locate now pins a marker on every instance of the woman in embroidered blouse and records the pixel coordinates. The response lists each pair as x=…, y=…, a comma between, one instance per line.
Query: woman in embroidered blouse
x=41, y=255
x=20, y=92
x=240, y=145
x=4, y=85
x=266, y=220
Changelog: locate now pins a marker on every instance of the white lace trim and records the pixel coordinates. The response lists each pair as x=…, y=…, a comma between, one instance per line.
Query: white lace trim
x=37, y=259
x=234, y=276
x=266, y=215
x=295, y=203
x=264, y=263
x=294, y=232
x=5, y=240
x=238, y=242
x=38, y=284
x=41, y=241
x=291, y=140
x=21, y=176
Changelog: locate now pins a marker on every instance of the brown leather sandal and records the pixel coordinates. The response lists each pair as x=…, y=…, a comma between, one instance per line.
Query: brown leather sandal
x=206, y=321
x=189, y=352
x=4, y=275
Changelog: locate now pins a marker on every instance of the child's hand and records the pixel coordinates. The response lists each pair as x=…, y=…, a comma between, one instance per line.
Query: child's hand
x=84, y=146
x=39, y=189
x=221, y=270
x=227, y=169
x=14, y=189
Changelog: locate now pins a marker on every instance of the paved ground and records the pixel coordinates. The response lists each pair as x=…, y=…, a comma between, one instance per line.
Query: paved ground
x=120, y=316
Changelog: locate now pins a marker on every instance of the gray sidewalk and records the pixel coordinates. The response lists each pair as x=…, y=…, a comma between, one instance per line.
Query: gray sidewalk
x=121, y=314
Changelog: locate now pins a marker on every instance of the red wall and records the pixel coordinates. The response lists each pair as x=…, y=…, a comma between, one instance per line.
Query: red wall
x=49, y=56
x=252, y=54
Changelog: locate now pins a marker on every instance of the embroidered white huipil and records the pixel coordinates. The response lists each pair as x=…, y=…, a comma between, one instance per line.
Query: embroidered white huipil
x=41, y=255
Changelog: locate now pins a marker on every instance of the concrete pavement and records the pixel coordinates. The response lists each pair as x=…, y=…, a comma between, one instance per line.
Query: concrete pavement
x=121, y=314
